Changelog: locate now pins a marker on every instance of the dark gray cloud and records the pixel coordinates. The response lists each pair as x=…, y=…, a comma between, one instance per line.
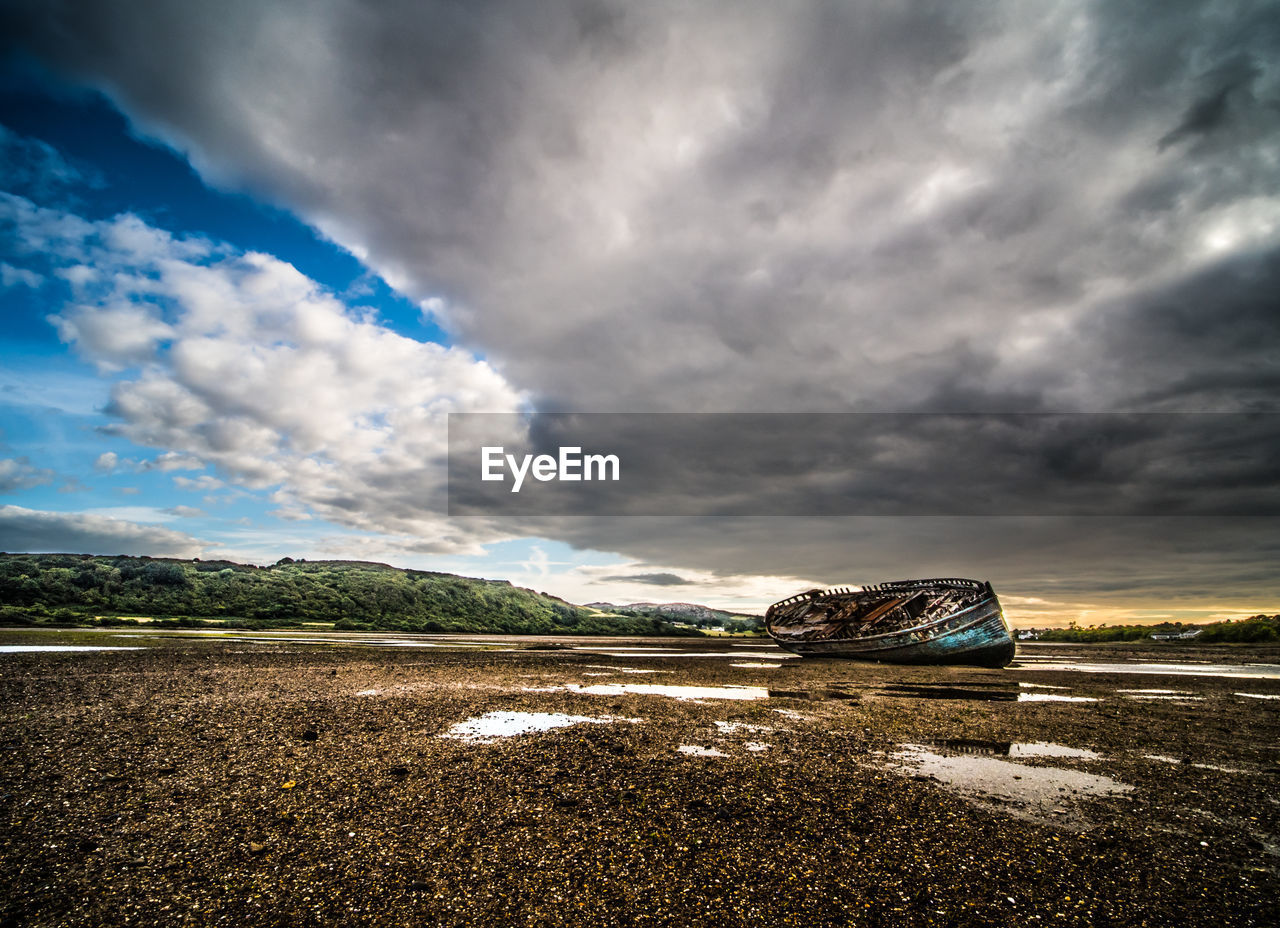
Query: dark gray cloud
x=986, y=207
x=1160, y=563
x=33, y=530
x=651, y=579
x=737, y=206
x=831, y=464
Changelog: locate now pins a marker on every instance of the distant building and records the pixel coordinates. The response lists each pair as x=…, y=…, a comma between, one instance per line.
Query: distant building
x=1177, y=636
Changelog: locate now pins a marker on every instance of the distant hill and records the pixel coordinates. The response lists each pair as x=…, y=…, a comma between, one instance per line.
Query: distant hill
x=690, y=613
x=81, y=588
x=1255, y=629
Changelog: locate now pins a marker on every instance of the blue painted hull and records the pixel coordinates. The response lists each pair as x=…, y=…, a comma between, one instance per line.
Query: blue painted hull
x=956, y=625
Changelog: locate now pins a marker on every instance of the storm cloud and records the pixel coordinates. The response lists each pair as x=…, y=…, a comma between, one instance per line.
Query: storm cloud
x=651, y=579
x=766, y=207
x=759, y=206
x=88, y=533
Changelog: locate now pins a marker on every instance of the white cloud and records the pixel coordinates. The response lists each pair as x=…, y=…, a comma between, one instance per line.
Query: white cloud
x=241, y=363
x=172, y=460
x=202, y=483
x=21, y=474
x=11, y=276
x=114, y=337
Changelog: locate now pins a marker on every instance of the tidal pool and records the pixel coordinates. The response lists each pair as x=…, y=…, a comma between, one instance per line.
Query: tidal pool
x=657, y=689
x=491, y=726
x=695, y=654
x=1040, y=791
x=27, y=648
x=699, y=751
x=1165, y=759
x=1179, y=669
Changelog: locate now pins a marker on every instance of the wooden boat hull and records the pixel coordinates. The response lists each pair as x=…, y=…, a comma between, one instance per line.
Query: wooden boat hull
x=905, y=622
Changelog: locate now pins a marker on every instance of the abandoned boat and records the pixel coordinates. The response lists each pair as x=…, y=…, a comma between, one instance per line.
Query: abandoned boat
x=947, y=621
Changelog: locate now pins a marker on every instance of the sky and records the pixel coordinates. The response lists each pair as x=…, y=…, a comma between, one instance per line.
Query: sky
x=253, y=255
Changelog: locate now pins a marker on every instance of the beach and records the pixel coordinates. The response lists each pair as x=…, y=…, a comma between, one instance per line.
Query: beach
x=296, y=778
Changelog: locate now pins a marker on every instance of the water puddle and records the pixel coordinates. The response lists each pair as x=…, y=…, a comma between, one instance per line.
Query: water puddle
x=488, y=728
x=341, y=639
x=686, y=693
x=624, y=669
x=1052, y=697
x=1165, y=759
x=756, y=747
x=728, y=728
x=975, y=690
x=1040, y=686
x=1042, y=793
x=698, y=751
x=1174, y=695
x=1181, y=669
x=767, y=666
x=694, y=654
x=813, y=695
x=1012, y=748
x=614, y=647
x=30, y=648
x=1259, y=695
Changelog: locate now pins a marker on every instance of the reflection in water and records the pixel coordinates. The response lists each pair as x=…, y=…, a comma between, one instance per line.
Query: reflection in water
x=665, y=654
x=491, y=726
x=698, y=751
x=1165, y=759
x=728, y=728
x=1181, y=669
x=27, y=648
x=981, y=690
x=658, y=689
x=1012, y=748
x=1043, y=790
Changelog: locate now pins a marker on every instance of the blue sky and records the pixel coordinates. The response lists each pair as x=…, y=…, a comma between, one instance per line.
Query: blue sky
x=254, y=255
x=69, y=150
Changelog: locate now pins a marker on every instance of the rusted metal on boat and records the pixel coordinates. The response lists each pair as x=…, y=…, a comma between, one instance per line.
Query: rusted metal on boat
x=945, y=621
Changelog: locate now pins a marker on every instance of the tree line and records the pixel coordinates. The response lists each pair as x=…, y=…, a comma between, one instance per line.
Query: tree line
x=354, y=595
x=1258, y=628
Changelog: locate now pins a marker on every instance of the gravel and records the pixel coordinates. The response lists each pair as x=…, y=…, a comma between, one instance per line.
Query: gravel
x=212, y=782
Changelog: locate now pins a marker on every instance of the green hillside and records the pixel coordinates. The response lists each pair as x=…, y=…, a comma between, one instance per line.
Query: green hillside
x=79, y=589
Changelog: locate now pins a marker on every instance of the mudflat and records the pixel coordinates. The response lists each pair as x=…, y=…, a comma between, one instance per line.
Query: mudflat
x=313, y=779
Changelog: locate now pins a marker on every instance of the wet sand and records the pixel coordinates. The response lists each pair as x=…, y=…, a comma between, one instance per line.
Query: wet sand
x=254, y=779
